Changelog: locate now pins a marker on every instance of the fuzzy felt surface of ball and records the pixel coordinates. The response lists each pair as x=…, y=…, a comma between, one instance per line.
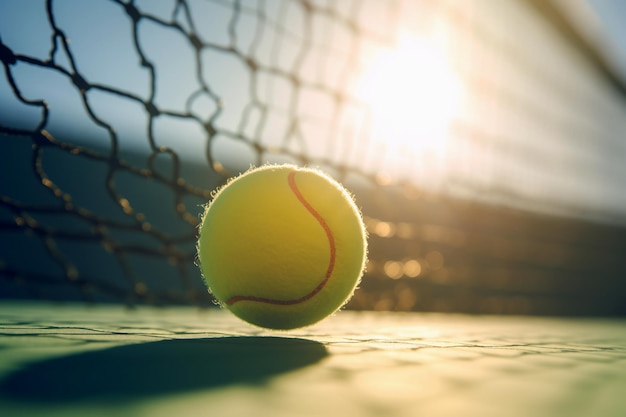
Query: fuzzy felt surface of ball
x=282, y=247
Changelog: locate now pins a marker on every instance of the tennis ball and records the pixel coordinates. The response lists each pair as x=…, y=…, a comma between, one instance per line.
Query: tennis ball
x=282, y=247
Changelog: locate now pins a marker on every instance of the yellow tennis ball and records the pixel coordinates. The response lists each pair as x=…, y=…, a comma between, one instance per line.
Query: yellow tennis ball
x=282, y=247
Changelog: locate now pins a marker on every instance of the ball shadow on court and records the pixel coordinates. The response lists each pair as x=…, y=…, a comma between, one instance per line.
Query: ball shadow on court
x=127, y=373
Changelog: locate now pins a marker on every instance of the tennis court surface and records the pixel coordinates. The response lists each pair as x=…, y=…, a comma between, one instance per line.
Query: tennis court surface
x=74, y=360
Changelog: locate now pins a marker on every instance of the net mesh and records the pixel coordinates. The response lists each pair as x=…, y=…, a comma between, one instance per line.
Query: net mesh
x=121, y=117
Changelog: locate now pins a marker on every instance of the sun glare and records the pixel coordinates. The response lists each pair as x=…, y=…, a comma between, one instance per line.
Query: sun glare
x=413, y=95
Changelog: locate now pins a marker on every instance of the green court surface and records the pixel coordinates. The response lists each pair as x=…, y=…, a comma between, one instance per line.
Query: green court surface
x=78, y=360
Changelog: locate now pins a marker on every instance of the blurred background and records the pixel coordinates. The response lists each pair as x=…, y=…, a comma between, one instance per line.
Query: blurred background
x=483, y=140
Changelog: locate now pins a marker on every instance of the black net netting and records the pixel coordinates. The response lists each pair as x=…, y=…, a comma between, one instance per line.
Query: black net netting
x=120, y=117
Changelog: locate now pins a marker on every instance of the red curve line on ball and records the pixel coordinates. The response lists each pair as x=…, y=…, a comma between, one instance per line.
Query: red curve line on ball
x=331, y=262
